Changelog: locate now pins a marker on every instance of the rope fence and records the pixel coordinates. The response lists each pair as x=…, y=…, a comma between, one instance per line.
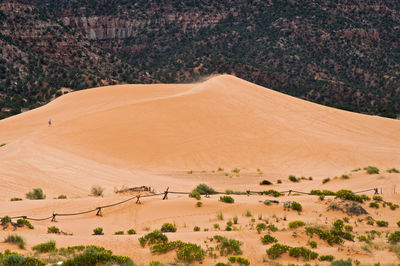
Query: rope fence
x=165, y=197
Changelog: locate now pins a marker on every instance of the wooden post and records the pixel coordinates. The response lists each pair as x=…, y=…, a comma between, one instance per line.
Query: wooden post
x=54, y=217
x=166, y=194
x=138, y=199
x=99, y=213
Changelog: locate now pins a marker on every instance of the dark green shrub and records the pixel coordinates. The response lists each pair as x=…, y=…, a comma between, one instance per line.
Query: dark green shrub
x=24, y=222
x=227, y=199
x=326, y=180
x=33, y=262
x=14, y=260
x=394, y=238
x=392, y=170
x=326, y=235
x=341, y=263
x=348, y=228
x=323, y=192
x=53, y=230
x=272, y=228
x=168, y=227
x=363, y=238
x=344, y=176
x=196, y=229
x=119, y=233
x=131, y=231
x=235, y=220
x=260, y=227
x=195, y=194
x=45, y=247
x=199, y=204
x=295, y=224
x=228, y=246
x=15, y=199
x=326, y=258
x=296, y=206
x=272, y=192
x=382, y=223
x=377, y=198
x=5, y=220
x=370, y=222
x=312, y=244
x=371, y=170
x=203, y=189
x=98, y=231
x=306, y=253
x=398, y=223
x=348, y=195
x=265, y=183
x=16, y=239
x=293, y=178
x=240, y=260
x=392, y=205
x=62, y=197
x=235, y=170
x=35, y=194
x=98, y=256
x=374, y=205
x=154, y=237
x=277, y=250
x=321, y=197
x=267, y=239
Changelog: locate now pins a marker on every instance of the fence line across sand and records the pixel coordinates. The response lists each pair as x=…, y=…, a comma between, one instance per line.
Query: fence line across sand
x=165, y=197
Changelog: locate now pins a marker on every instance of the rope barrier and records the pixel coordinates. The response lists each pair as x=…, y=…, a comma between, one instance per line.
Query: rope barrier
x=165, y=193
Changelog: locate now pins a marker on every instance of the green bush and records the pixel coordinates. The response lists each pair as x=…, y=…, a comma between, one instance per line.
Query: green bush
x=296, y=206
x=203, y=189
x=227, y=199
x=98, y=231
x=306, y=253
x=371, y=170
x=348, y=228
x=235, y=219
x=265, y=183
x=394, y=238
x=240, y=260
x=196, y=229
x=45, y=247
x=15, y=199
x=392, y=205
x=168, y=227
x=370, y=222
x=154, y=237
x=98, y=256
x=199, y=204
x=344, y=176
x=228, y=246
x=374, y=205
x=382, y=223
x=131, y=231
x=14, y=260
x=33, y=262
x=326, y=258
x=5, y=220
x=272, y=228
x=189, y=252
x=312, y=244
x=377, y=198
x=392, y=170
x=349, y=195
x=341, y=263
x=119, y=233
x=24, y=222
x=235, y=170
x=267, y=239
x=295, y=224
x=276, y=250
x=323, y=192
x=398, y=223
x=272, y=192
x=326, y=180
x=293, y=178
x=62, y=197
x=16, y=239
x=53, y=230
x=35, y=194
x=195, y=194
x=260, y=227
x=326, y=235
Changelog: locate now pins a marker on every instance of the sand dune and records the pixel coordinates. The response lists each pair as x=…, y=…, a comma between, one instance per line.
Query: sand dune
x=153, y=134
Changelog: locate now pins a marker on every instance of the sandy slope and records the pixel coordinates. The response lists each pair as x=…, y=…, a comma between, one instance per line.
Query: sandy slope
x=152, y=134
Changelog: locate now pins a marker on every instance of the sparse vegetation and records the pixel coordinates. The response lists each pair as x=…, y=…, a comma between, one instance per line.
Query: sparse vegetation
x=97, y=191
x=268, y=239
x=45, y=247
x=185, y=252
x=278, y=249
x=248, y=213
x=62, y=197
x=371, y=170
x=203, y=189
x=295, y=206
x=53, y=230
x=394, y=237
x=293, y=178
x=220, y=216
x=16, y=239
x=235, y=170
x=312, y=244
x=228, y=246
x=226, y=199
x=24, y=222
x=168, y=227
x=374, y=205
x=196, y=229
x=326, y=258
x=35, y=194
x=199, y=204
x=119, y=233
x=382, y=223
x=260, y=227
x=392, y=170
x=15, y=199
x=349, y=195
x=295, y=224
x=154, y=237
x=271, y=192
x=240, y=260
x=265, y=183
x=131, y=231
x=98, y=231
x=235, y=219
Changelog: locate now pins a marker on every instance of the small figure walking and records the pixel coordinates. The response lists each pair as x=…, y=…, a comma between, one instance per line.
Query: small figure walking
x=49, y=122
